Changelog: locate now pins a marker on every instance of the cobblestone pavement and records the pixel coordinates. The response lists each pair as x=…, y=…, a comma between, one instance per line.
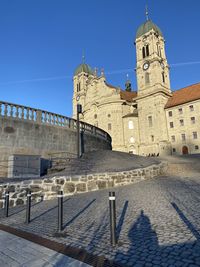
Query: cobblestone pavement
x=17, y=252
x=158, y=222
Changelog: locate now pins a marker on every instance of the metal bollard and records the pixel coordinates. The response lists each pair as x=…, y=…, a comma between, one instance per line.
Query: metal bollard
x=60, y=211
x=28, y=207
x=6, y=204
x=112, y=206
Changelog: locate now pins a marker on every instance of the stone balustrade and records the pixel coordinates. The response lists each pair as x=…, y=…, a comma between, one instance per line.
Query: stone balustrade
x=44, y=117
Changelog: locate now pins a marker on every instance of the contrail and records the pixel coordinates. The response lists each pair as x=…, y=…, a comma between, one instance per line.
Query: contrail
x=185, y=63
x=111, y=72
x=38, y=79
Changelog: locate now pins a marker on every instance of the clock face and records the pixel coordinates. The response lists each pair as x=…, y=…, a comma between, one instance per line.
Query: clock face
x=78, y=97
x=146, y=66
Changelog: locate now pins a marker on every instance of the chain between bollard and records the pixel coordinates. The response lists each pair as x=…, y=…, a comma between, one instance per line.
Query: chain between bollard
x=60, y=211
x=28, y=207
x=112, y=208
x=6, y=204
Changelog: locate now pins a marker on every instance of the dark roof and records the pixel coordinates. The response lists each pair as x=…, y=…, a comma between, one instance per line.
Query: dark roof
x=83, y=68
x=128, y=96
x=146, y=27
x=184, y=95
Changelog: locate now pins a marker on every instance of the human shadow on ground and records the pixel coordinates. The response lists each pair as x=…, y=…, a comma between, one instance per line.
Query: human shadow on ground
x=79, y=213
x=144, y=248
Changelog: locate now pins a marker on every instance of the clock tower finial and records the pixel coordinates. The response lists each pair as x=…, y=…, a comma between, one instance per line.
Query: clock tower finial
x=146, y=12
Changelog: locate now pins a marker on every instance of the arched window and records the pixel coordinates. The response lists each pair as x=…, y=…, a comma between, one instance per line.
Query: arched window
x=163, y=77
x=77, y=87
x=143, y=52
x=147, y=78
x=147, y=50
x=130, y=125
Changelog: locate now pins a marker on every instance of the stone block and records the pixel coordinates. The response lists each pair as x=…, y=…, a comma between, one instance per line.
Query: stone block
x=11, y=203
x=1, y=204
x=56, y=188
x=35, y=188
x=81, y=187
x=60, y=181
x=11, y=188
x=69, y=188
x=110, y=183
x=102, y=184
x=48, y=181
x=19, y=201
x=92, y=185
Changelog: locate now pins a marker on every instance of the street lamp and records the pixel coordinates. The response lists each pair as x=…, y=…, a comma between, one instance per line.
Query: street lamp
x=79, y=111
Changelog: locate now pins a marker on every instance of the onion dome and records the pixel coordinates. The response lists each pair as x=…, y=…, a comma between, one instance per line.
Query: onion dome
x=83, y=68
x=146, y=27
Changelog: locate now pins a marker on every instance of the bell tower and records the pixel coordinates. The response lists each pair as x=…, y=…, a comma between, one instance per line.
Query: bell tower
x=152, y=68
x=82, y=75
x=153, y=89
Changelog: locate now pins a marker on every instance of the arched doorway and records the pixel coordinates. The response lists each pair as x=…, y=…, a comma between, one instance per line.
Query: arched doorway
x=185, y=150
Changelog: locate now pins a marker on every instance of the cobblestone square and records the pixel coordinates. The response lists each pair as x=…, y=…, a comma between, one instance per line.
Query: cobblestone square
x=158, y=222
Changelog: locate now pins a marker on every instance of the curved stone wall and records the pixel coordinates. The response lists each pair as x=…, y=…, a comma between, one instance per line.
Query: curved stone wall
x=28, y=131
x=70, y=185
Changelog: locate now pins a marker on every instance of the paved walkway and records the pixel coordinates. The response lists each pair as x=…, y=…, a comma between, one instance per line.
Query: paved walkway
x=16, y=251
x=158, y=223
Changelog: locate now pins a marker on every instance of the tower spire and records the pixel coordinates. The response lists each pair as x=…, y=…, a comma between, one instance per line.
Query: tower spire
x=146, y=12
x=83, y=56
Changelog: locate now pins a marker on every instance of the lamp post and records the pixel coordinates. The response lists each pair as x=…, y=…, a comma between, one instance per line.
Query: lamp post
x=79, y=110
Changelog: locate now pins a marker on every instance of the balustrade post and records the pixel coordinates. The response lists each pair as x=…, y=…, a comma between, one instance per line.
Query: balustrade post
x=39, y=116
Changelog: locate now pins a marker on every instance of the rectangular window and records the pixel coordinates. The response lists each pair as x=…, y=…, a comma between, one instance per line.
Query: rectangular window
x=171, y=124
x=174, y=149
x=180, y=110
x=170, y=113
x=109, y=126
x=193, y=120
x=191, y=107
x=173, y=138
x=183, y=137
x=150, y=121
x=194, y=134
x=196, y=147
x=181, y=122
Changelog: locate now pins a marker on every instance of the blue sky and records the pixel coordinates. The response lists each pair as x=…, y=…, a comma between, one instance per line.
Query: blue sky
x=42, y=43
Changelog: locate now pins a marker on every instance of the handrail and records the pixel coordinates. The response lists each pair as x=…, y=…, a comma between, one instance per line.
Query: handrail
x=21, y=112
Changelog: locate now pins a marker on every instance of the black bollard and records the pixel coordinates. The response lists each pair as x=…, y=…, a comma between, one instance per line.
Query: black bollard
x=112, y=206
x=60, y=211
x=28, y=207
x=6, y=204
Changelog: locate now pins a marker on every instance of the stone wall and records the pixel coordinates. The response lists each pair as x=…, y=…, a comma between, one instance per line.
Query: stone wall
x=48, y=188
x=35, y=132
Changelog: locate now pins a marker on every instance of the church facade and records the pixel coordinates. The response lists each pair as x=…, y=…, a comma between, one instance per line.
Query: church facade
x=150, y=121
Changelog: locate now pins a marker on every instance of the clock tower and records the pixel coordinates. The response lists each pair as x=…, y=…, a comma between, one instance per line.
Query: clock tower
x=153, y=82
x=152, y=68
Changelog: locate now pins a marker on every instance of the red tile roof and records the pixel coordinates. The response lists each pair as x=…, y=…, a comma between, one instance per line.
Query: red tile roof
x=184, y=95
x=128, y=96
